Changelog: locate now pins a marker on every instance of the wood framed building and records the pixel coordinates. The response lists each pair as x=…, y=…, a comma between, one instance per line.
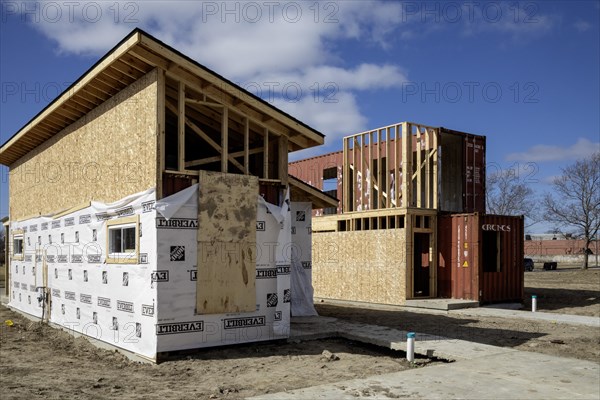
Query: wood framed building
x=387, y=242
x=146, y=193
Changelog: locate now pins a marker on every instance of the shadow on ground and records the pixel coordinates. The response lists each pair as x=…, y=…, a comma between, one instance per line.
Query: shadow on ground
x=484, y=330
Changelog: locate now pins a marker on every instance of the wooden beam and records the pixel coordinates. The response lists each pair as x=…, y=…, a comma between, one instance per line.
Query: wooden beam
x=435, y=168
x=204, y=136
x=160, y=132
x=225, y=139
x=246, y=146
x=406, y=164
x=181, y=126
x=205, y=103
x=345, y=175
x=419, y=170
x=209, y=160
x=283, y=159
x=266, y=153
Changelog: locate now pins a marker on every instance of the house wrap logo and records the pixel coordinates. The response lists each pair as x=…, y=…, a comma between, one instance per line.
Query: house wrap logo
x=176, y=223
x=93, y=258
x=125, y=306
x=33, y=228
x=70, y=295
x=56, y=224
x=85, y=219
x=283, y=270
x=55, y=292
x=272, y=299
x=306, y=264
x=28, y=258
x=143, y=258
x=177, y=253
x=85, y=298
x=266, y=273
x=148, y=206
x=23, y=286
x=287, y=295
x=148, y=310
x=245, y=322
x=76, y=258
x=300, y=216
x=124, y=212
x=62, y=258
x=44, y=226
x=160, y=276
x=103, y=302
x=260, y=226
x=193, y=275
x=69, y=221
x=179, y=327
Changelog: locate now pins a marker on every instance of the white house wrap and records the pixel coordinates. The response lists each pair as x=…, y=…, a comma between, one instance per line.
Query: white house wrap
x=145, y=301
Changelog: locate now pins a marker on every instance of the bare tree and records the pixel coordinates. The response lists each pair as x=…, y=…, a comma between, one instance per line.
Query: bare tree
x=576, y=200
x=508, y=194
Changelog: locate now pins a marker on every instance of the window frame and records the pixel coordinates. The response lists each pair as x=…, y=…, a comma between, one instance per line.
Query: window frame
x=18, y=234
x=123, y=257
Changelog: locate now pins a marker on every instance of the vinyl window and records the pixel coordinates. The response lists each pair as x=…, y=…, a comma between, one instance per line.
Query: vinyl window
x=123, y=240
x=18, y=245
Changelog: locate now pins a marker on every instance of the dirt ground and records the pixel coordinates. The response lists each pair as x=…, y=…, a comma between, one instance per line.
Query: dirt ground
x=37, y=361
x=566, y=290
x=41, y=362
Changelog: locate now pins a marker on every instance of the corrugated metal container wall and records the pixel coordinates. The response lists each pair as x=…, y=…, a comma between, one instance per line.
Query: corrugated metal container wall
x=458, y=263
x=506, y=283
x=317, y=169
x=474, y=185
x=480, y=257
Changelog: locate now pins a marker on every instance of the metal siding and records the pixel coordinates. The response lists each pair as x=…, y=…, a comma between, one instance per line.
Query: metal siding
x=458, y=242
x=508, y=284
x=310, y=171
x=474, y=174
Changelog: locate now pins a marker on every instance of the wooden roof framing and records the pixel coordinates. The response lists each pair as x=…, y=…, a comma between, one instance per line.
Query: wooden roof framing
x=136, y=55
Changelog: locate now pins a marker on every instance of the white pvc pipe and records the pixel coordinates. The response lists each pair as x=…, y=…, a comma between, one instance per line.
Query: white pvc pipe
x=410, y=346
x=533, y=303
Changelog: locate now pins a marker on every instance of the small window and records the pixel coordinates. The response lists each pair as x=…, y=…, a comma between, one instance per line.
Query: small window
x=18, y=245
x=123, y=240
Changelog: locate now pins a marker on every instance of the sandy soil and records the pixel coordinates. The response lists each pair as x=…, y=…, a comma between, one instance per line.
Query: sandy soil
x=567, y=291
x=37, y=361
x=41, y=362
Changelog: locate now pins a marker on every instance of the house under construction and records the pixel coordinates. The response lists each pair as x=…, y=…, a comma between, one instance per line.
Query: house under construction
x=411, y=221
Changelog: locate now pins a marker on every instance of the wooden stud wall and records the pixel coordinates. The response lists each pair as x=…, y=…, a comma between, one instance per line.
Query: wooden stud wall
x=410, y=153
x=106, y=155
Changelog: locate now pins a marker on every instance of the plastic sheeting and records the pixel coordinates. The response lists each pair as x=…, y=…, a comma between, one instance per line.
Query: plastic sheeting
x=113, y=303
x=148, y=305
x=301, y=260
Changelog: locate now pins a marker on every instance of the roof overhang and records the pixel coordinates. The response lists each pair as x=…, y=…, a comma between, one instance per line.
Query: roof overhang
x=302, y=191
x=136, y=55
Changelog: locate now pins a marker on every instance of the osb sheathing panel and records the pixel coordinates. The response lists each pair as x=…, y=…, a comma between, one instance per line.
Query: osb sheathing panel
x=367, y=266
x=104, y=156
x=226, y=243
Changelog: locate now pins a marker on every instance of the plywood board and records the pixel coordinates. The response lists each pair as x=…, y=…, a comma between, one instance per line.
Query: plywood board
x=365, y=266
x=226, y=243
x=104, y=156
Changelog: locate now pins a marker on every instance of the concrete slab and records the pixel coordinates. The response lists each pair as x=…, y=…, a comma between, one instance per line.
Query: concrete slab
x=395, y=339
x=441, y=304
x=508, y=375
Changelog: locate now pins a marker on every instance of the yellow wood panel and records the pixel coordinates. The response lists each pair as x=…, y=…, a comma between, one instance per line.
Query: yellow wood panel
x=226, y=243
x=104, y=156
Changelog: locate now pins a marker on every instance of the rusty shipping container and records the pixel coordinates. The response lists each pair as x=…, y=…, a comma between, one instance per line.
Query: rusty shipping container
x=480, y=257
x=319, y=170
x=462, y=172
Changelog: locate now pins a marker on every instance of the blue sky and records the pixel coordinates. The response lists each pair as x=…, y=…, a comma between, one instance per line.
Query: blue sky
x=525, y=74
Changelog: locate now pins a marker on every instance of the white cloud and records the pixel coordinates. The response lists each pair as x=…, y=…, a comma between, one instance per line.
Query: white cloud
x=542, y=152
x=582, y=26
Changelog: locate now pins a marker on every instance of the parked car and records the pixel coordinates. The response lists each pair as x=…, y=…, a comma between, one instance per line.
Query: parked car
x=528, y=264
